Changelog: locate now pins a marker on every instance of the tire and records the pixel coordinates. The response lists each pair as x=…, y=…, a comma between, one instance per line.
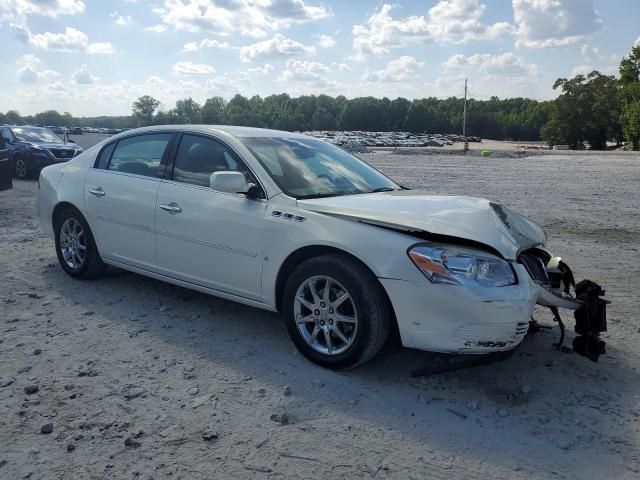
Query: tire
x=21, y=167
x=367, y=304
x=67, y=227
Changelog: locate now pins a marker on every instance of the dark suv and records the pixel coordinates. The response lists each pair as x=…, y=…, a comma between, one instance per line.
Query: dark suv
x=33, y=148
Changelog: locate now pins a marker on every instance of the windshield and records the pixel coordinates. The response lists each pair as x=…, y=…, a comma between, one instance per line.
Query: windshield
x=310, y=168
x=36, y=135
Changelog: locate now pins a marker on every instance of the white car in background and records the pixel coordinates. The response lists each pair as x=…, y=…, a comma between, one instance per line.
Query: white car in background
x=289, y=223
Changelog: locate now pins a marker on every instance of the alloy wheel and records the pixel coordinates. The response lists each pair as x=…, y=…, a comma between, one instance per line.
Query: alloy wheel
x=325, y=315
x=73, y=243
x=21, y=168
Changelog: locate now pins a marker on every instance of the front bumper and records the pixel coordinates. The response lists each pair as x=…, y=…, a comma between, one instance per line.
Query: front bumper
x=458, y=319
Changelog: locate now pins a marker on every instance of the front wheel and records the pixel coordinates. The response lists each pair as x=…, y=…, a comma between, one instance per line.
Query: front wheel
x=336, y=311
x=76, y=249
x=21, y=168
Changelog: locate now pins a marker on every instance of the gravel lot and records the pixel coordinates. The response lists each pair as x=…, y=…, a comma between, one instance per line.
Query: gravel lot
x=141, y=380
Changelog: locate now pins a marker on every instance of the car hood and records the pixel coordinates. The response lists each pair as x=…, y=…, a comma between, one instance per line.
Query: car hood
x=71, y=146
x=469, y=218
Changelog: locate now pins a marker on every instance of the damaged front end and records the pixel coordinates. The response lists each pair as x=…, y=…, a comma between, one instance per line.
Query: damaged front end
x=554, y=283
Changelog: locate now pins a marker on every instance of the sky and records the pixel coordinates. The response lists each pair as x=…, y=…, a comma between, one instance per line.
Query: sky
x=96, y=57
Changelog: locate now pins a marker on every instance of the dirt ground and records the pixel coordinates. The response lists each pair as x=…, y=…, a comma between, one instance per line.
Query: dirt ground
x=142, y=380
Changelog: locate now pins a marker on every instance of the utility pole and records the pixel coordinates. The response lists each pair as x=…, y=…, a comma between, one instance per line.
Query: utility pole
x=464, y=114
x=464, y=118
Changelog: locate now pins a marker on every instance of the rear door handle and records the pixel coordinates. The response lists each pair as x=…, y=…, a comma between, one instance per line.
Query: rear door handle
x=98, y=192
x=171, y=207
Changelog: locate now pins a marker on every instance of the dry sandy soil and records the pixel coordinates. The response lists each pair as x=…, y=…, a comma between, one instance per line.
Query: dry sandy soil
x=141, y=380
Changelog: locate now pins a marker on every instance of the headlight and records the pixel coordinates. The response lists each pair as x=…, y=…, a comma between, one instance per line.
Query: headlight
x=38, y=151
x=454, y=265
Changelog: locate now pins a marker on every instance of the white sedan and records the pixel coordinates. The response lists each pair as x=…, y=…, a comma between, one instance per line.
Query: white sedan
x=288, y=223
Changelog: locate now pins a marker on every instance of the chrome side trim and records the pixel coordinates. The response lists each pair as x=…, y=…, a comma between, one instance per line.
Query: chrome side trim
x=124, y=174
x=126, y=224
x=209, y=189
x=206, y=244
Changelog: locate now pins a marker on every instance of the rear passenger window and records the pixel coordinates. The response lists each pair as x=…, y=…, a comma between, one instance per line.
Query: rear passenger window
x=199, y=157
x=140, y=155
x=105, y=155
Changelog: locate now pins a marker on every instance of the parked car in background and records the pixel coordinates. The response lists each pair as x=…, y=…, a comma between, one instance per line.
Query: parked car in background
x=75, y=131
x=33, y=148
x=5, y=166
x=290, y=223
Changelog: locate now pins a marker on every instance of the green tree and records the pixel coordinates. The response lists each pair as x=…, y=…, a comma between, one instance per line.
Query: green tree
x=49, y=117
x=587, y=110
x=630, y=97
x=143, y=109
x=630, y=67
x=12, y=117
x=213, y=110
x=630, y=120
x=188, y=111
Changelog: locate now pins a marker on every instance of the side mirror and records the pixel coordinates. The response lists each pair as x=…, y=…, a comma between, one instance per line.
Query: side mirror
x=228, y=182
x=3, y=143
x=70, y=141
x=233, y=182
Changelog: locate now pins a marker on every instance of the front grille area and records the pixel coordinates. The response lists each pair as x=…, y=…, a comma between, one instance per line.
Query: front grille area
x=62, y=153
x=535, y=261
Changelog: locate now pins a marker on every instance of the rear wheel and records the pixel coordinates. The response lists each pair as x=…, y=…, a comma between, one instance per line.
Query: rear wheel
x=336, y=312
x=21, y=168
x=75, y=246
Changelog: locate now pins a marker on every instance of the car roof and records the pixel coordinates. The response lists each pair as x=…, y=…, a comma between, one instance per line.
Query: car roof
x=236, y=131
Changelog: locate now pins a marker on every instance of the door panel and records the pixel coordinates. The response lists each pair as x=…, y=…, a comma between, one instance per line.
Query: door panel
x=121, y=210
x=214, y=240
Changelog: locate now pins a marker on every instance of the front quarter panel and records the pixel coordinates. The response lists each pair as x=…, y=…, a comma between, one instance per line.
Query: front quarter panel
x=382, y=250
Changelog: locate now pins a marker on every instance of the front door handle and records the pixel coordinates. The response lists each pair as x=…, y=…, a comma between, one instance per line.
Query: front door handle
x=98, y=192
x=171, y=207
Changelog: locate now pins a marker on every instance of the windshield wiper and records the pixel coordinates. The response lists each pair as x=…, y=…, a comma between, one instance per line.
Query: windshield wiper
x=383, y=189
x=320, y=195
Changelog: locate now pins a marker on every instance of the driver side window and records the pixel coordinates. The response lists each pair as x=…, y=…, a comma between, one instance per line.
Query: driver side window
x=6, y=135
x=198, y=157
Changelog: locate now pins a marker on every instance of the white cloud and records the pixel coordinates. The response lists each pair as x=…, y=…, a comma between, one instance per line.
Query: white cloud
x=263, y=70
x=206, y=43
x=401, y=69
x=326, y=41
x=247, y=17
x=156, y=28
x=505, y=64
x=637, y=42
x=304, y=70
x=121, y=20
x=581, y=70
x=30, y=70
x=554, y=23
x=277, y=47
x=83, y=76
x=72, y=40
x=342, y=67
x=449, y=21
x=17, y=11
x=190, y=68
x=304, y=77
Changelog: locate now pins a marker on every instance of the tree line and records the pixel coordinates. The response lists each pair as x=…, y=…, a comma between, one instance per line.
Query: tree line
x=515, y=118
x=591, y=109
